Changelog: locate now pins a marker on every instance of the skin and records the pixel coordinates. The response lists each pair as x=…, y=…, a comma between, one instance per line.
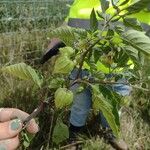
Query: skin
x=11, y=125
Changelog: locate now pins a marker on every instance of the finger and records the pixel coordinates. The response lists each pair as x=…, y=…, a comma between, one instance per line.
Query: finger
x=10, y=129
x=10, y=113
x=10, y=144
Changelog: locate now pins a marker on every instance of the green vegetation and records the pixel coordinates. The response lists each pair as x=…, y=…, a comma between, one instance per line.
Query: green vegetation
x=26, y=43
x=28, y=15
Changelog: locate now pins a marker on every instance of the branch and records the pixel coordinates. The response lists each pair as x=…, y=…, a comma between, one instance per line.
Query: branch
x=91, y=46
x=102, y=82
x=89, y=82
x=72, y=144
x=140, y=88
x=83, y=57
x=35, y=112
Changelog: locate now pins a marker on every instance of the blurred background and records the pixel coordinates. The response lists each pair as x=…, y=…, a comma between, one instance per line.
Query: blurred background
x=24, y=28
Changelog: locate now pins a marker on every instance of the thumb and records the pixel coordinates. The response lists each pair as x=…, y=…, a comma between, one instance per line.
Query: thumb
x=10, y=129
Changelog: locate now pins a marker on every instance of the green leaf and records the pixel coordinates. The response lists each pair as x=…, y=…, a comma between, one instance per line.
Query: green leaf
x=124, y=2
x=67, y=34
x=137, y=6
x=119, y=29
x=104, y=5
x=101, y=104
x=60, y=132
x=110, y=33
x=97, y=53
x=115, y=100
x=93, y=21
x=138, y=40
x=133, y=23
x=121, y=58
x=23, y=71
x=132, y=53
x=101, y=15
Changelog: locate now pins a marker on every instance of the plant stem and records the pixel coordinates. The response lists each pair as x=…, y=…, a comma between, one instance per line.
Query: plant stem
x=50, y=131
x=70, y=145
x=97, y=41
x=35, y=113
x=83, y=57
x=88, y=82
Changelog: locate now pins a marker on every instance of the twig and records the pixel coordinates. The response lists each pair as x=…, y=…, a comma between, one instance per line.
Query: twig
x=84, y=55
x=97, y=81
x=50, y=131
x=140, y=88
x=88, y=82
x=115, y=6
x=35, y=113
x=72, y=144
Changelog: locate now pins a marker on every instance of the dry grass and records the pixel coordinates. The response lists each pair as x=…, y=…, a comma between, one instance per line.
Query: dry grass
x=135, y=132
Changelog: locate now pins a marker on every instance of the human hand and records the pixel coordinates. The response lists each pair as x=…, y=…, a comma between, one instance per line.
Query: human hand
x=10, y=127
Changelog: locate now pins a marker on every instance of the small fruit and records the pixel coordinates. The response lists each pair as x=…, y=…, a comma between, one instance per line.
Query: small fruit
x=63, y=97
x=67, y=51
x=63, y=65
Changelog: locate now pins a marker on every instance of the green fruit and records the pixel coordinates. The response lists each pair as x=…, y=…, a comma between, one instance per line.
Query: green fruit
x=63, y=98
x=63, y=65
x=67, y=51
x=56, y=83
x=106, y=60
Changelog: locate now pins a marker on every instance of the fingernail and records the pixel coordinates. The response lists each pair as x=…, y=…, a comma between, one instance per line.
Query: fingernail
x=15, y=124
x=2, y=147
x=37, y=128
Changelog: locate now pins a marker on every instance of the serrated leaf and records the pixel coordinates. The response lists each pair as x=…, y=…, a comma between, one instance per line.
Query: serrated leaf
x=138, y=40
x=67, y=34
x=133, y=23
x=132, y=53
x=93, y=21
x=137, y=6
x=106, y=108
x=97, y=53
x=122, y=59
x=104, y=5
x=60, y=132
x=115, y=101
x=23, y=71
x=119, y=29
